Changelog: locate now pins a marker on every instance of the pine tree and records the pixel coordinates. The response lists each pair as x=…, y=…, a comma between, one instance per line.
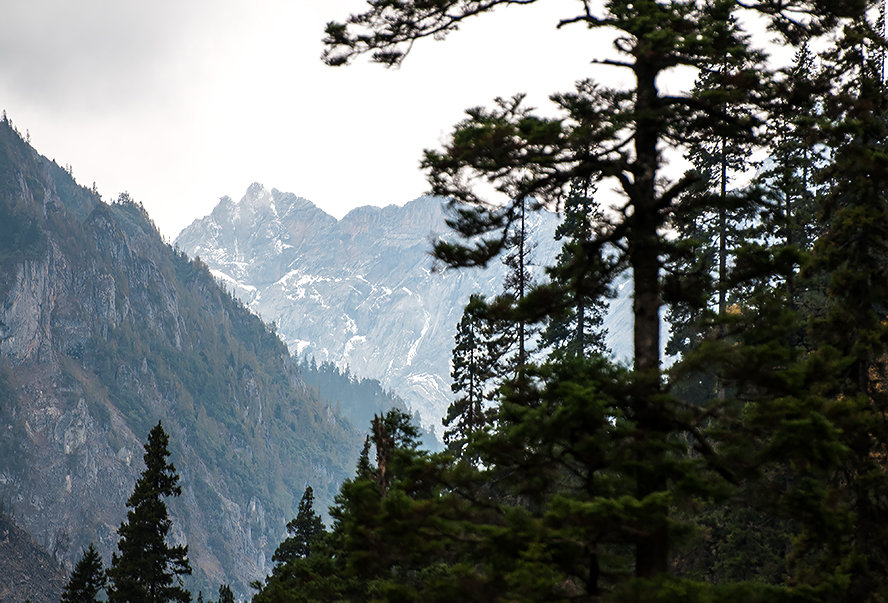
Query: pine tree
x=790, y=194
x=471, y=372
x=650, y=451
x=390, y=433
x=578, y=328
x=851, y=335
x=225, y=594
x=364, y=470
x=611, y=134
x=794, y=155
x=817, y=406
x=87, y=580
x=147, y=569
x=304, y=530
x=518, y=258
x=715, y=222
x=373, y=544
x=719, y=154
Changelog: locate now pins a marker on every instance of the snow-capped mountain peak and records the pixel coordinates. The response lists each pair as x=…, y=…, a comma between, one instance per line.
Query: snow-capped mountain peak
x=361, y=291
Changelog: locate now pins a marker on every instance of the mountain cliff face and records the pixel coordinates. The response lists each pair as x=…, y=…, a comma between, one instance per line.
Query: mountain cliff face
x=22, y=559
x=361, y=292
x=104, y=330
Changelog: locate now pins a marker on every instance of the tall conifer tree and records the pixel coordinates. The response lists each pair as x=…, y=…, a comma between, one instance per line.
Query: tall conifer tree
x=852, y=334
x=225, y=594
x=719, y=154
x=795, y=155
x=87, y=580
x=577, y=329
x=304, y=530
x=148, y=569
x=519, y=280
x=471, y=371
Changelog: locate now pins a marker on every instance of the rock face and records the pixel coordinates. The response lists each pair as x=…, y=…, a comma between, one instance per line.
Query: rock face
x=361, y=292
x=21, y=559
x=104, y=330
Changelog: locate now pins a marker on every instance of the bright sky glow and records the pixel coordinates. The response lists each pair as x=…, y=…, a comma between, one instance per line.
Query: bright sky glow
x=180, y=103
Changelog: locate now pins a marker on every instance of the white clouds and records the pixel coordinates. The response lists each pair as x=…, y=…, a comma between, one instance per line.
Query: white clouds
x=182, y=102
x=91, y=54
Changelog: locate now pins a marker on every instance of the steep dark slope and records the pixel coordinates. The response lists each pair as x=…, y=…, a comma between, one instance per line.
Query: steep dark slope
x=104, y=330
x=21, y=559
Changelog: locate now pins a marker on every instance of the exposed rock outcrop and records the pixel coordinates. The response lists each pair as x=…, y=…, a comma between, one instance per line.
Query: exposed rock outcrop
x=361, y=292
x=104, y=330
x=21, y=559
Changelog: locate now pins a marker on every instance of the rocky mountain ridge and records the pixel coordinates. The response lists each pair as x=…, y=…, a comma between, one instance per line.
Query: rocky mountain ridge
x=104, y=330
x=362, y=292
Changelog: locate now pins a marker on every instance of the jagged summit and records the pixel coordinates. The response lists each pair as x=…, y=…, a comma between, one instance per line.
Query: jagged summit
x=256, y=191
x=360, y=292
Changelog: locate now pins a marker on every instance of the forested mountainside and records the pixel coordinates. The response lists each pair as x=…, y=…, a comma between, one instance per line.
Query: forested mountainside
x=358, y=399
x=104, y=330
x=361, y=292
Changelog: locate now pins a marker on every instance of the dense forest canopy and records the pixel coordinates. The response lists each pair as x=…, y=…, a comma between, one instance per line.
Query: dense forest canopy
x=754, y=467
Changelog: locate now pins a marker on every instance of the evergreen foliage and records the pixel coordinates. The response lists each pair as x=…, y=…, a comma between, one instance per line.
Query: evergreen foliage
x=578, y=328
x=754, y=469
x=304, y=530
x=373, y=511
x=851, y=335
x=225, y=594
x=87, y=580
x=473, y=366
x=517, y=257
x=796, y=154
x=148, y=569
x=540, y=157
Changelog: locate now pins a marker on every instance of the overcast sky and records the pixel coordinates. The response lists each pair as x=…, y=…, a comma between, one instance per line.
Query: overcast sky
x=182, y=102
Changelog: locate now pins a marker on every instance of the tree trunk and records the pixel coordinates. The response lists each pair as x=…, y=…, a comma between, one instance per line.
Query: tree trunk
x=652, y=548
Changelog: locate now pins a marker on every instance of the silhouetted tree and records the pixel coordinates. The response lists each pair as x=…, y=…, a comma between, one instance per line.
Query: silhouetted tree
x=577, y=328
x=225, y=594
x=87, y=580
x=472, y=370
x=304, y=529
x=148, y=569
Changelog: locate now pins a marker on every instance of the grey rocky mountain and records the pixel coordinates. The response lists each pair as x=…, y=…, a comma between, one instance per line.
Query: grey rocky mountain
x=104, y=330
x=362, y=292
